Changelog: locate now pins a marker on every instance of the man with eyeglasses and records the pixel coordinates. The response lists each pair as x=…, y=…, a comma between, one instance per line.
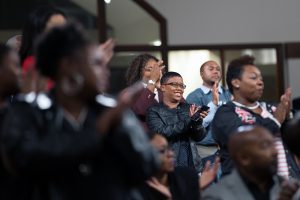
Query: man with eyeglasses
x=179, y=122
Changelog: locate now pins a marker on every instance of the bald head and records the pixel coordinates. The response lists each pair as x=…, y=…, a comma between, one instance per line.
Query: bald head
x=252, y=148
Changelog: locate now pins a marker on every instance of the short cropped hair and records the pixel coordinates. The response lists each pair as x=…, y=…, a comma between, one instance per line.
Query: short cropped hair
x=167, y=76
x=236, y=69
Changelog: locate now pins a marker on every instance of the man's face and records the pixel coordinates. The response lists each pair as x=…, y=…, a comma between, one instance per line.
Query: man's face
x=261, y=152
x=166, y=155
x=211, y=73
x=173, y=89
x=10, y=74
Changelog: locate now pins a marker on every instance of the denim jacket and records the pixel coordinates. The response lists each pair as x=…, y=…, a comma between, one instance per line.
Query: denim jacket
x=203, y=96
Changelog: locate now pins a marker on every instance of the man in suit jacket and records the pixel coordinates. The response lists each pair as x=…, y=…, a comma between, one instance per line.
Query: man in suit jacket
x=255, y=157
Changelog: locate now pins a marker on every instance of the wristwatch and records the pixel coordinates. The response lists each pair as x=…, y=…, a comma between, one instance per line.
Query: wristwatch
x=151, y=82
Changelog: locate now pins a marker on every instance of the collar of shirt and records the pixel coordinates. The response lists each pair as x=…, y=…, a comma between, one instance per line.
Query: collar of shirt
x=206, y=90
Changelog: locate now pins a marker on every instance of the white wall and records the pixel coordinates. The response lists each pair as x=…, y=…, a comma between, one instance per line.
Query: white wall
x=230, y=21
x=294, y=73
x=235, y=21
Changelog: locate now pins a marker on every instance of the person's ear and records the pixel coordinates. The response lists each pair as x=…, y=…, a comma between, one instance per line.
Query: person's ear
x=201, y=73
x=163, y=88
x=235, y=83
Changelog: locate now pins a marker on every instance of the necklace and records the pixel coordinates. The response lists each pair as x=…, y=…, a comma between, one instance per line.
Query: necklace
x=249, y=107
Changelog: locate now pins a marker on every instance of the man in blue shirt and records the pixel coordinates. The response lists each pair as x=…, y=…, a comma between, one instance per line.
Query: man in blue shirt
x=211, y=94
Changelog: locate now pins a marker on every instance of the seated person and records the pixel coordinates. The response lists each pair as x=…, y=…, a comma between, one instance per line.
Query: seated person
x=178, y=122
x=254, y=155
x=175, y=182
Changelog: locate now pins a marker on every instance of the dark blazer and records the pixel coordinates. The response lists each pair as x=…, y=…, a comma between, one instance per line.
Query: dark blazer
x=183, y=184
x=232, y=187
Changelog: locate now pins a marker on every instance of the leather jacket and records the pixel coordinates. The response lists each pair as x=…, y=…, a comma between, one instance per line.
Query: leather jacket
x=179, y=129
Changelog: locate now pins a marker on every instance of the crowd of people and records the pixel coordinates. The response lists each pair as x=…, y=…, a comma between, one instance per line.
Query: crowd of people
x=62, y=137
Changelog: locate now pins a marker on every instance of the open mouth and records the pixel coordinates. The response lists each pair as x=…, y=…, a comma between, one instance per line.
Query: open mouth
x=178, y=94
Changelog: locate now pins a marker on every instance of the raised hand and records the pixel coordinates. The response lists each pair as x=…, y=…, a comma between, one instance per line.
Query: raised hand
x=284, y=106
x=288, y=189
x=106, y=50
x=155, y=71
x=209, y=173
x=193, y=110
x=215, y=93
x=108, y=119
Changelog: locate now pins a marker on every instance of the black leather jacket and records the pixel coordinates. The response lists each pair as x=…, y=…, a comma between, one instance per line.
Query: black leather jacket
x=57, y=160
x=179, y=129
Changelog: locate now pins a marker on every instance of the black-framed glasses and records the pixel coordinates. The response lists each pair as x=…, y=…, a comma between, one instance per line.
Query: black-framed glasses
x=176, y=85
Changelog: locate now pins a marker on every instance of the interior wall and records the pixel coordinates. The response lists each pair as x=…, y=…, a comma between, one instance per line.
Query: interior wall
x=293, y=76
x=230, y=21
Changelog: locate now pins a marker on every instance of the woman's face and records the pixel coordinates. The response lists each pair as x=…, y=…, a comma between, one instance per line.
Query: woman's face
x=173, y=89
x=250, y=86
x=146, y=71
x=166, y=154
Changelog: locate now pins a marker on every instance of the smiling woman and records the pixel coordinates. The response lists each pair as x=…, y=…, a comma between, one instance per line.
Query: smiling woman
x=172, y=118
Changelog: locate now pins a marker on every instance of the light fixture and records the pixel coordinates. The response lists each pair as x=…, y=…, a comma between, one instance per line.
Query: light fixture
x=156, y=43
x=107, y=1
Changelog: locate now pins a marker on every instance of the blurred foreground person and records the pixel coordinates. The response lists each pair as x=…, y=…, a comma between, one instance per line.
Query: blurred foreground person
x=71, y=144
x=254, y=155
x=39, y=21
x=10, y=74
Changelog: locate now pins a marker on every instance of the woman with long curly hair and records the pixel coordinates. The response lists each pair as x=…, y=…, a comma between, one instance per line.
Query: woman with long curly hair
x=147, y=68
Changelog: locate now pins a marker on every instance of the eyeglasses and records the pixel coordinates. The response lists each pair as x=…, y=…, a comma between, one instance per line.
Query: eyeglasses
x=176, y=85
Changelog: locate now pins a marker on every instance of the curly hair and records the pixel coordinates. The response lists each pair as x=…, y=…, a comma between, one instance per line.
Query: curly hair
x=164, y=79
x=236, y=69
x=133, y=73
